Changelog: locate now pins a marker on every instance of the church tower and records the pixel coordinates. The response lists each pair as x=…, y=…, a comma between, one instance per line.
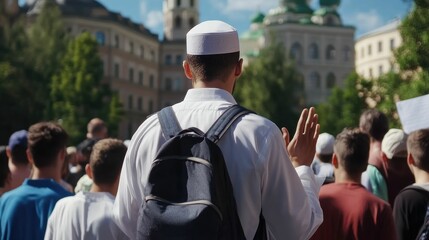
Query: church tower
x=179, y=17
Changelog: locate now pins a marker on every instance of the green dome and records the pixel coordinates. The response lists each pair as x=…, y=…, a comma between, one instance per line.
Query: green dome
x=329, y=3
x=296, y=6
x=258, y=18
x=325, y=11
x=305, y=20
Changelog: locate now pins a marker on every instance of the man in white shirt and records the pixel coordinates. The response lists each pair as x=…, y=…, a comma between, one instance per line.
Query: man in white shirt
x=260, y=167
x=88, y=215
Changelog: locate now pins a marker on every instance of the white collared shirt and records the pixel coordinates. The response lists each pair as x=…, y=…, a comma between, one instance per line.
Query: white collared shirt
x=257, y=161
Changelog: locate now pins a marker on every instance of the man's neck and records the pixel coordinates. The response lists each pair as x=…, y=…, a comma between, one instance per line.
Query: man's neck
x=343, y=177
x=47, y=173
x=103, y=188
x=420, y=176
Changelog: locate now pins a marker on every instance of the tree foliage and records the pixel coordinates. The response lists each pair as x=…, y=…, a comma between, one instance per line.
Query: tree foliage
x=77, y=91
x=343, y=106
x=272, y=87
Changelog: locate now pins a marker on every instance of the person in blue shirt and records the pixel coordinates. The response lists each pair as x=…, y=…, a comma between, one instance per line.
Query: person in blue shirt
x=24, y=211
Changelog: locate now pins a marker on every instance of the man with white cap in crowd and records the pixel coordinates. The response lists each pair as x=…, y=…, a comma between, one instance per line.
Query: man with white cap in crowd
x=257, y=159
x=322, y=164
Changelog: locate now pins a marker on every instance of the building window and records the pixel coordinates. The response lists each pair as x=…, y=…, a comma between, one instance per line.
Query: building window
x=116, y=41
x=362, y=52
x=151, y=81
x=191, y=22
x=131, y=47
x=296, y=52
x=314, y=80
x=330, y=21
x=130, y=102
x=330, y=52
x=369, y=50
x=313, y=51
x=178, y=3
x=179, y=60
x=141, y=52
x=177, y=84
x=380, y=46
x=370, y=73
x=346, y=53
x=131, y=75
x=116, y=70
x=152, y=55
x=140, y=104
x=392, y=44
x=168, y=84
x=380, y=70
x=330, y=80
x=141, y=78
x=168, y=60
x=178, y=22
x=192, y=3
x=99, y=36
x=150, y=106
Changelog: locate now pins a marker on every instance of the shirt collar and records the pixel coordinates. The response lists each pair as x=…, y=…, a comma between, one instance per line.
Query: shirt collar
x=208, y=94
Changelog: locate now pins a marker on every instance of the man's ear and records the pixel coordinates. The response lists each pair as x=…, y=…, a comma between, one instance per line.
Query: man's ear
x=384, y=157
x=335, y=160
x=410, y=160
x=187, y=70
x=238, y=68
x=88, y=170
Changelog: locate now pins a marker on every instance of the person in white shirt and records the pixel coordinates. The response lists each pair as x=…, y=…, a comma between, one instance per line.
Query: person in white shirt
x=88, y=215
x=260, y=166
x=322, y=163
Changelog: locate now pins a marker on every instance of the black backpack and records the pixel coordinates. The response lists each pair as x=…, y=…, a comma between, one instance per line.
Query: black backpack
x=189, y=193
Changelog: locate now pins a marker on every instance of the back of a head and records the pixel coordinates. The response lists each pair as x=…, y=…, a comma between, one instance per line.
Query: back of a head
x=394, y=144
x=45, y=141
x=325, y=147
x=418, y=147
x=352, y=149
x=106, y=160
x=96, y=129
x=18, y=147
x=374, y=123
x=4, y=167
x=212, y=50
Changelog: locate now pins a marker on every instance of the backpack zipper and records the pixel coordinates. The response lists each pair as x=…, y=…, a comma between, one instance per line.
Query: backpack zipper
x=204, y=202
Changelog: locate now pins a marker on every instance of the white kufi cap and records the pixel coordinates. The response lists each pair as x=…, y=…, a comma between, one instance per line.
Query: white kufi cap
x=212, y=37
x=394, y=143
x=325, y=144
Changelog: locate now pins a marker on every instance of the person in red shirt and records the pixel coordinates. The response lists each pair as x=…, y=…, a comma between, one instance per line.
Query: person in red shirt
x=349, y=210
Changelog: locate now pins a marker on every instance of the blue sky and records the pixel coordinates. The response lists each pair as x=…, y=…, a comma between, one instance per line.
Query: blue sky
x=365, y=15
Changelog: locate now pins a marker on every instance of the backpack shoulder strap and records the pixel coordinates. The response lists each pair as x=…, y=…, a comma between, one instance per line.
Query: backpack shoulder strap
x=168, y=120
x=221, y=125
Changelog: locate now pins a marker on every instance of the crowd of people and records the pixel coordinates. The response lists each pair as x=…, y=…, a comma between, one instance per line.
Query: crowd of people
x=361, y=184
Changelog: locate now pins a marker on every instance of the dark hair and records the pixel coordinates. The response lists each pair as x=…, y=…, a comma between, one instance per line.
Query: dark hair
x=325, y=158
x=45, y=141
x=4, y=166
x=418, y=147
x=210, y=67
x=352, y=149
x=374, y=123
x=19, y=155
x=106, y=160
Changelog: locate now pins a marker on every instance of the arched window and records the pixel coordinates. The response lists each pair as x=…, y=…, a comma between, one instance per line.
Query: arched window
x=346, y=53
x=178, y=22
x=330, y=21
x=178, y=3
x=330, y=80
x=315, y=80
x=168, y=59
x=192, y=3
x=330, y=52
x=191, y=22
x=296, y=52
x=313, y=51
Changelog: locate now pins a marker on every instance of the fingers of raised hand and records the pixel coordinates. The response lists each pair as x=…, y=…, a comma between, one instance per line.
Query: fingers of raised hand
x=301, y=122
x=286, y=136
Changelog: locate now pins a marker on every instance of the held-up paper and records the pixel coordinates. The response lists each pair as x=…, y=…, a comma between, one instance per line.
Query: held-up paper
x=414, y=113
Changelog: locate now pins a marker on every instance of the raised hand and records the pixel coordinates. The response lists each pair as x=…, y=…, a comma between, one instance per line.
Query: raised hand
x=302, y=147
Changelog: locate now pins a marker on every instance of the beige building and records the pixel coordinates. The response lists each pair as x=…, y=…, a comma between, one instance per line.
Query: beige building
x=145, y=71
x=374, y=50
x=316, y=40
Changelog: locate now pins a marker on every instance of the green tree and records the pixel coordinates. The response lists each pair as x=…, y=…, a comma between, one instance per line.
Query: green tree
x=78, y=93
x=343, y=106
x=272, y=87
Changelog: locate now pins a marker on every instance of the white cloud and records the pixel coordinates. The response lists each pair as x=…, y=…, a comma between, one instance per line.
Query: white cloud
x=152, y=19
x=367, y=21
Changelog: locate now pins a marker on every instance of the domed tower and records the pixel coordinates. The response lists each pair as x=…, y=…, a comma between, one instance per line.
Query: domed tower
x=327, y=14
x=179, y=17
x=289, y=11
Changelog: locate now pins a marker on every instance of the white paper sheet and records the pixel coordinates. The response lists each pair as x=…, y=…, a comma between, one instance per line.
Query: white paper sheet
x=414, y=113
